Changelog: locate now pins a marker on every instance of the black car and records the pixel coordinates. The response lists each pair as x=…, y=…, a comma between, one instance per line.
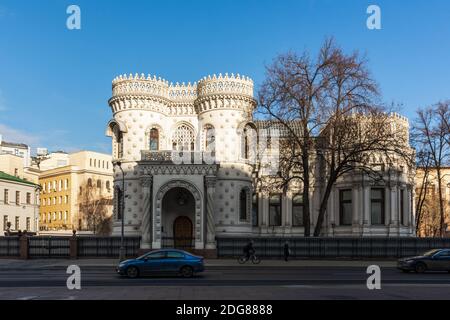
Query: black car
x=433, y=260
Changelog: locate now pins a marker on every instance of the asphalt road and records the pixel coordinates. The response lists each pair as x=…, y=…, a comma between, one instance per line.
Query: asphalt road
x=226, y=283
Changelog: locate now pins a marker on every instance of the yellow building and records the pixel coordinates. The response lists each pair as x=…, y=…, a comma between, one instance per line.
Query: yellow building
x=74, y=196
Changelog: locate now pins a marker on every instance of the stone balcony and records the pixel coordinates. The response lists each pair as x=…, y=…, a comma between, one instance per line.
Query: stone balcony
x=178, y=157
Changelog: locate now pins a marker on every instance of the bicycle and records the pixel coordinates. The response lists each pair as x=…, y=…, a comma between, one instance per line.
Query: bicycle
x=253, y=258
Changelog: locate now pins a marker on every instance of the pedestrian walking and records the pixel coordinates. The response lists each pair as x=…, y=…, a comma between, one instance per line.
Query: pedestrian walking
x=286, y=251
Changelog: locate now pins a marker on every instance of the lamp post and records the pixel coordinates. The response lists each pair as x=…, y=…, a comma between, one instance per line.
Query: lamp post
x=122, y=210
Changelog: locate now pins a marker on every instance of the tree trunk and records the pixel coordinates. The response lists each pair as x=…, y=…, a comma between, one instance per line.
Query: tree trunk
x=323, y=209
x=441, y=204
x=306, y=206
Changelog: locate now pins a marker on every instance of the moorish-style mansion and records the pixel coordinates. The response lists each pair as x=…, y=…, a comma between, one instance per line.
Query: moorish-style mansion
x=170, y=197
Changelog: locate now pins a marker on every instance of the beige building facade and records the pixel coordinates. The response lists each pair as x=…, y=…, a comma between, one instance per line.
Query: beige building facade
x=65, y=188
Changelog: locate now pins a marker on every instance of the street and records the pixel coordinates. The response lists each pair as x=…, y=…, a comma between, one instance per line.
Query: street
x=224, y=282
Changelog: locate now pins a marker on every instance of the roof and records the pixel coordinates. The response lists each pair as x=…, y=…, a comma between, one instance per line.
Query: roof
x=14, y=145
x=8, y=177
x=281, y=127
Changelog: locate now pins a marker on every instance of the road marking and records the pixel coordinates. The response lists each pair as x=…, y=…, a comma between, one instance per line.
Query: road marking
x=27, y=298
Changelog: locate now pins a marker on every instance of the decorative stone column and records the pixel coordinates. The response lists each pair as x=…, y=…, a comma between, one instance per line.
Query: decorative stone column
x=210, y=183
x=146, y=225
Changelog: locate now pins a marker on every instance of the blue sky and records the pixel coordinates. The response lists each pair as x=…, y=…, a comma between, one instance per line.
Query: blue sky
x=55, y=83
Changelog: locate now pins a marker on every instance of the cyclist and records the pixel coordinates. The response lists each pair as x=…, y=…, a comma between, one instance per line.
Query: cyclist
x=249, y=250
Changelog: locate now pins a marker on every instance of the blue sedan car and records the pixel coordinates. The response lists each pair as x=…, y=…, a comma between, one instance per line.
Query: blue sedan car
x=166, y=261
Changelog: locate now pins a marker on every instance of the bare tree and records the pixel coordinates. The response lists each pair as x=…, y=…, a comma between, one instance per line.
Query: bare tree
x=329, y=108
x=93, y=208
x=423, y=164
x=431, y=135
x=292, y=94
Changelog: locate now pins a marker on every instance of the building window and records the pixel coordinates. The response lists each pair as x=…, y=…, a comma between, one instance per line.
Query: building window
x=60, y=200
x=6, y=196
x=60, y=185
x=54, y=185
x=28, y=198
x=154, y=140
x=17, y=224
x=66, y=199
x=49, y=186
x=275, y=210
x=28, y=224
x=120, y=145
x=16, y=172
x=48, y=201
x=5, y=223
x=90, y=162
x=243, y=205
x=402, y=207
x=99, y=184
x=297, y=210
x=377, y=206
x=89, y=182
x=43, y=187
x=210, y=138
x=49, y=217
x=54, y=200
x=108, y=186
x=183, y=138
x=249, y=143
x=17, y=197
x=60, y=216
x=255, y=210
x=54, y=216
x=66, y=184
x=345, y=207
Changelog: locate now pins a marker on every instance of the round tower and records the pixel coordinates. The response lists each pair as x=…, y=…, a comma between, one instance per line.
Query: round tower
x=138, y=104
x=225, y=106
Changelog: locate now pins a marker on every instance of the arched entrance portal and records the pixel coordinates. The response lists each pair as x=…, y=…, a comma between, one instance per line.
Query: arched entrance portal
x=178, y=213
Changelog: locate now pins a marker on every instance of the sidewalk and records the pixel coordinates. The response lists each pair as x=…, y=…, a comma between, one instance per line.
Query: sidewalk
x=8, y=264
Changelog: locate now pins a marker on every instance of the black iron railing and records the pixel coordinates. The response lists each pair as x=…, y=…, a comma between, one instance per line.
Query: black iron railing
x=48, y=247
x=9, y=246
x=332, y=247
x=107, y=246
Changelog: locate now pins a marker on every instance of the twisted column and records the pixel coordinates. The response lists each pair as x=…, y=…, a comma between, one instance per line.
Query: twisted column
x=146, y=225
x=210, y=182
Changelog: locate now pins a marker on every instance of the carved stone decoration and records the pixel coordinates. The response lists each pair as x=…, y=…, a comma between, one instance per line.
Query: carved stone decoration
x=158, y=212
x=146, y=183
x=210, y=183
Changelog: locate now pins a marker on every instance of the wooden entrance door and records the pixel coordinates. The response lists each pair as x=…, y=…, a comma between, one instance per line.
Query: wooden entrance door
x=182, y=232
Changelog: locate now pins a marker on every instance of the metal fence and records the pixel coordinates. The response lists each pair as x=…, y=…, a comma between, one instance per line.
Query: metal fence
x=106, y=246
x=48, y=247
x=9, y=247
x=332, y=247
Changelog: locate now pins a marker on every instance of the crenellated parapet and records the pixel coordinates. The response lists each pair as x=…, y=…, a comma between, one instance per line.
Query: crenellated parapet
x=157, y=94
x=227, y=84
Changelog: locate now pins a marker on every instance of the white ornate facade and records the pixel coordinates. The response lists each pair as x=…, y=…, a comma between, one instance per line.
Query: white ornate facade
x=203, y=199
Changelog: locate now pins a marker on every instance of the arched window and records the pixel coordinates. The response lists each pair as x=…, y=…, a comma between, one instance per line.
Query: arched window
x=249, y=143
x=108, y=186
x=99, y=184
x=183, y=138
x=243, y=214
x=89, y=182
x=154, y=140
x=210, y=138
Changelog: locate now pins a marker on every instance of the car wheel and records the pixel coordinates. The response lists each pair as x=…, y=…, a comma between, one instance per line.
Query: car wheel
x=421, y=267
x=187, y=272
x=132, y=272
